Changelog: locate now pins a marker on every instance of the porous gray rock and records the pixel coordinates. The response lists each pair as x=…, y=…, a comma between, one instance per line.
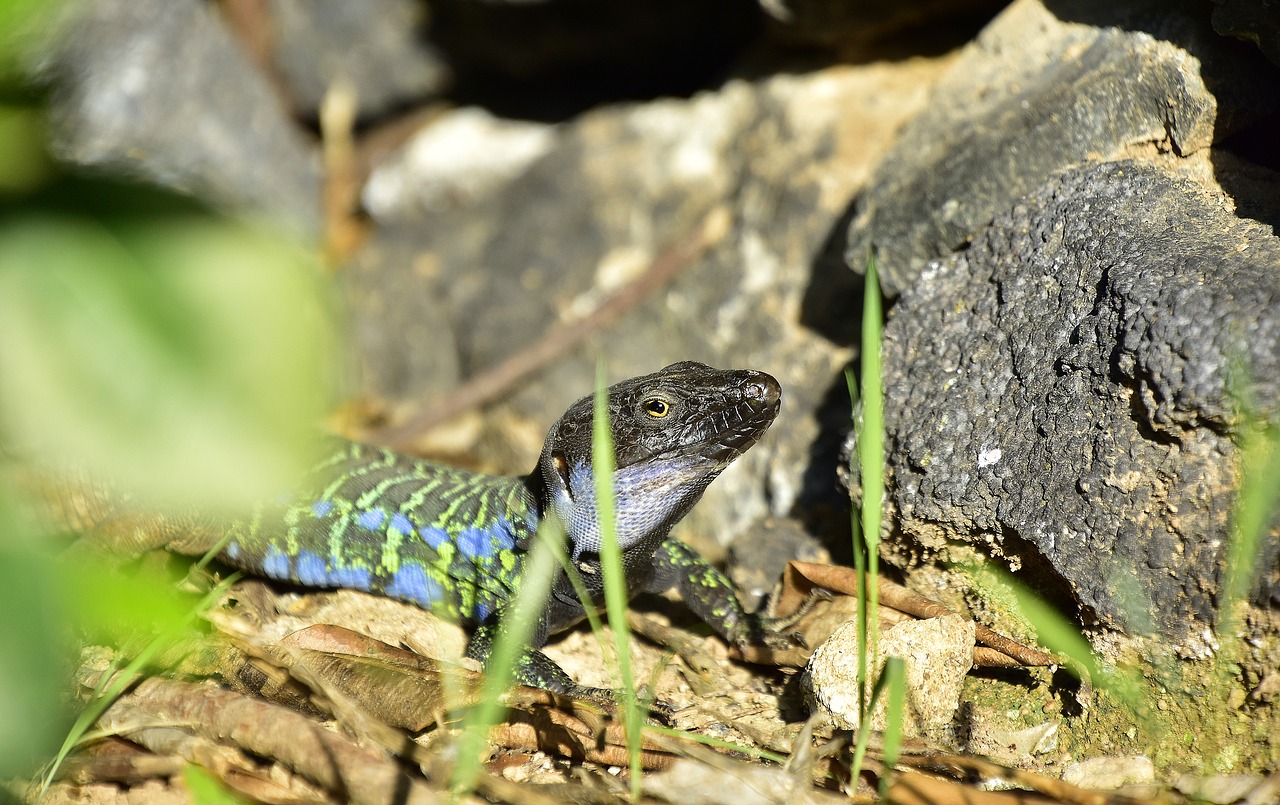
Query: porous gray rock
x=937, y=654
x=1058, y=394
x=1049, y=84
x=158, y=90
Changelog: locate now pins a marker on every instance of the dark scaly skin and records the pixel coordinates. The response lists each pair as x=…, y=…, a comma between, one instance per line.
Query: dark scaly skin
x=454, y=542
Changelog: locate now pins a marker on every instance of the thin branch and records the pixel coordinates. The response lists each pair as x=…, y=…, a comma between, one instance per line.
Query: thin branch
x=493, y=383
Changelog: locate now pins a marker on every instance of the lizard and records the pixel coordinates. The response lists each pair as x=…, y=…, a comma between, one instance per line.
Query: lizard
x=454, y=541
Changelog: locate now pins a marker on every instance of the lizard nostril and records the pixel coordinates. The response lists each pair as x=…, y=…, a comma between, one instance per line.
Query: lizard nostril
x=764, y=387
x=755, y=391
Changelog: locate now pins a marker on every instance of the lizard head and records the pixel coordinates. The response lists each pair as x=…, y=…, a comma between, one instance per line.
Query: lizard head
x=674, y=431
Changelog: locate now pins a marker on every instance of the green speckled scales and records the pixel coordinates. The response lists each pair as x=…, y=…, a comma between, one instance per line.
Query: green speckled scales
x=371, y=519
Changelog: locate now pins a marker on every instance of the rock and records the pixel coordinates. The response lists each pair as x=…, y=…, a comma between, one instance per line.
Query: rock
x=379, y=46
x=1267, y=690
x=1223, y=789
x=453, y=162
x=399, y=325
x=1048, y=85
x=938, y=654
x=1110, y=773
x=1013, y=746
x=1057, y=395
x=694, y=782
x=765, y=548
x=771, y=165
x=158, y=90
x=1251, y=21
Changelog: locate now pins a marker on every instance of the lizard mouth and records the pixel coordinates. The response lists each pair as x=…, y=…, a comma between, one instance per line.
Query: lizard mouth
x=748, y=419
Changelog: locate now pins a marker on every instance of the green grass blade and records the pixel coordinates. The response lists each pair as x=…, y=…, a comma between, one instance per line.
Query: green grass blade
x=1061, y=636
x=871, y=458
x=895, y=706
x=615, y=585
x=859, y=553
x=520, y=617
x=864, y=726
x=866, y=540
x=1255, y=505
x=871, y=443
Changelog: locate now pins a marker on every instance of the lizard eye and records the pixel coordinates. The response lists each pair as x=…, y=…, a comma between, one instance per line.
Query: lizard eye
x=656, y=407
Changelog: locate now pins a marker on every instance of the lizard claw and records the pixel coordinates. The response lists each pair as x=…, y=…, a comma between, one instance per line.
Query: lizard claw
x=779, y=623
x=777, y=633
x=783, y=640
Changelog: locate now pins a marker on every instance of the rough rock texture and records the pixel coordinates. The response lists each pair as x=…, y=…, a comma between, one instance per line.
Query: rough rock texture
x=938, y=652
x=1051, y=83
x=379, y=46
x=1057, y=393
x=774, y=162
x=1110, y=773
x=463, y=157
x=157, y=90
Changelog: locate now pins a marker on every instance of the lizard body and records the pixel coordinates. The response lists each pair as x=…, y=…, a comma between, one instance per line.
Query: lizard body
x=370, y=519
x=454, y=542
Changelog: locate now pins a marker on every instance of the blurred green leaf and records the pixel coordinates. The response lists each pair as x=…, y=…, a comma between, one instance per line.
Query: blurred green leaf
x=40, y=596
x=111, y=685
x=187, y=360
x=24, y=162
x=603, y=459
x=1255, y=510
x=112, y=606
x=25, y=26
x=33, y=662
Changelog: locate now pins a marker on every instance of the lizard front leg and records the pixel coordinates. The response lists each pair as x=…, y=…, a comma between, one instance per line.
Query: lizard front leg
x=707, y=591
x=710, y=595
x=533, y=668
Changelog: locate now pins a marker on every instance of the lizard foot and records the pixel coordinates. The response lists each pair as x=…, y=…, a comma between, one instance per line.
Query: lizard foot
x=607, y=700
x=778, y=632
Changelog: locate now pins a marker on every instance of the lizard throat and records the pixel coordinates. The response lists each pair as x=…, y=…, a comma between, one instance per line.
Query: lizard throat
x=648, y=500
